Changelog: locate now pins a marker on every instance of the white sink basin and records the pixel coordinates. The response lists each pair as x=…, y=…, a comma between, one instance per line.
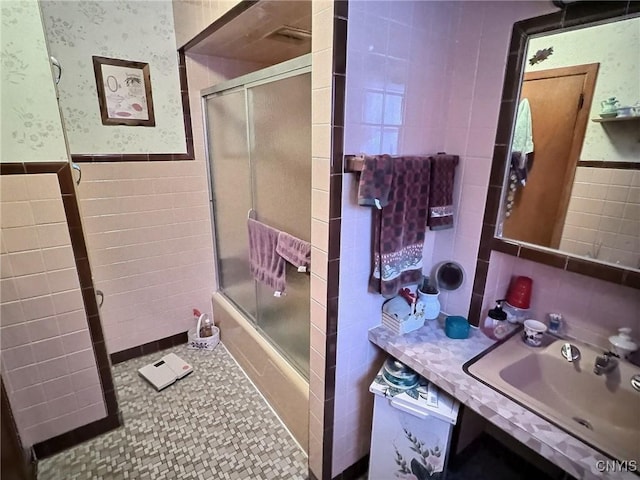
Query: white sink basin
x=603, y=411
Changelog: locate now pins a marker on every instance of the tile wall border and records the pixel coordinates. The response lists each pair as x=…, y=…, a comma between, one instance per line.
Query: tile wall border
x=338, y=79
x=603, y=164
x=113, y=419
x=147, y=348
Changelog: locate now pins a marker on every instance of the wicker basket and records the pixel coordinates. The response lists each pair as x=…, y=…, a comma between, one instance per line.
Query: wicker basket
x=196, y=342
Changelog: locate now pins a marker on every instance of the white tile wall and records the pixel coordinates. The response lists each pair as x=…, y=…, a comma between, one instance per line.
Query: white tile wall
x=482, y=38
x=395, y=73
x=41, y=349
x=446, y=61
x=593, y=309
x=603, y=218
x=148, y=234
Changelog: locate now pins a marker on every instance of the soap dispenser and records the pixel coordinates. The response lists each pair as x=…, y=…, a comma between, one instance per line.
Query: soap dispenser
x=622, y=344
x=496, y=321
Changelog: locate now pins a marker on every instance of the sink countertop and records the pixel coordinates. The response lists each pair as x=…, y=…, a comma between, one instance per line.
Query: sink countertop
x=439, y=359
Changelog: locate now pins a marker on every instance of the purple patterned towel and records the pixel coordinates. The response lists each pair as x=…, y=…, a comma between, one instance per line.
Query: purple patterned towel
x=295, y=251
x=265, y=264
x=443, y=168
x=399, y=228
x=375, y=180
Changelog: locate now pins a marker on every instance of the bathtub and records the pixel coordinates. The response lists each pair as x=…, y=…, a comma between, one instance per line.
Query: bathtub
x=282, y=386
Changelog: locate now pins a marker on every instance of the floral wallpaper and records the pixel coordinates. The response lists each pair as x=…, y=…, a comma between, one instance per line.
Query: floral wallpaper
x=615, y=46
x=31, y=126
x=136, y=30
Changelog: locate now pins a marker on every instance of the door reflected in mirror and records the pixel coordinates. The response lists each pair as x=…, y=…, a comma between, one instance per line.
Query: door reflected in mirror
x=573, y=183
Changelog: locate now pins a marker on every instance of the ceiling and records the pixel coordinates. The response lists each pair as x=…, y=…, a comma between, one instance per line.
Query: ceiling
x=248, y=36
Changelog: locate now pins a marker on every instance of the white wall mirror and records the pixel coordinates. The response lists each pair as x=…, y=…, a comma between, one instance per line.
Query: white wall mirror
x=572, y=179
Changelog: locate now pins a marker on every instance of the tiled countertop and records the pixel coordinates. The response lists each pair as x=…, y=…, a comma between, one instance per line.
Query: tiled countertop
x=439, y=359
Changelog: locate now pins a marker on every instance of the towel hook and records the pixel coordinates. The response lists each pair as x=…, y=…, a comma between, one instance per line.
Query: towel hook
x=75, y=166
x=251, y=214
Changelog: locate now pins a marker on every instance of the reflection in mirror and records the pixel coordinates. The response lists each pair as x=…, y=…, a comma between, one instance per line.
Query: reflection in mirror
x=574, y=181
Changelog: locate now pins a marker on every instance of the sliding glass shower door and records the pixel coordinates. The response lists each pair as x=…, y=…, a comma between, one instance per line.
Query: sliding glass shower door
x=259, y=136
x=232, y=196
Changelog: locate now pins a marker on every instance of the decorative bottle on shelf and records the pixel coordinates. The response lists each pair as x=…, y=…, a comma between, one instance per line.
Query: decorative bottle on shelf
x=609, y=106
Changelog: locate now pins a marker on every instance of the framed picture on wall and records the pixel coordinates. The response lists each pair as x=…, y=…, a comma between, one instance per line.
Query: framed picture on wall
x=124, y=92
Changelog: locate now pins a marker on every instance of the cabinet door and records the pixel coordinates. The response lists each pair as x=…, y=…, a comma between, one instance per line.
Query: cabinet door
x=403, y=445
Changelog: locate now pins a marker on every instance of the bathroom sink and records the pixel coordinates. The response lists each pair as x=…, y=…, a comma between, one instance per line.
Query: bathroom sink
x=601, y=410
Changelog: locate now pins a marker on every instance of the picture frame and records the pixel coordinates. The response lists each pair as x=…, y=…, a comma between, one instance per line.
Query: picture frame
x=124, y=92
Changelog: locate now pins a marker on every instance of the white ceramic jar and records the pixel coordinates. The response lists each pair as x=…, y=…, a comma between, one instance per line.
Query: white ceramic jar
x=431, y=304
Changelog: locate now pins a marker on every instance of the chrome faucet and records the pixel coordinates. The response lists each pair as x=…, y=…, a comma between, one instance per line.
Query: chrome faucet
x=605, y=363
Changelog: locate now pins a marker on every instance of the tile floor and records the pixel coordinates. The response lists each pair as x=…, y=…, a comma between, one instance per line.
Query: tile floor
x=210, y=425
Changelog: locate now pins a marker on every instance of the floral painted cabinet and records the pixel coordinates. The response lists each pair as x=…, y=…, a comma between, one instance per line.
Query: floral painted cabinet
x=410, y=436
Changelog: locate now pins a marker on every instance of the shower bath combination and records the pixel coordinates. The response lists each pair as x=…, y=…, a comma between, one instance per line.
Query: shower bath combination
x=259, y=147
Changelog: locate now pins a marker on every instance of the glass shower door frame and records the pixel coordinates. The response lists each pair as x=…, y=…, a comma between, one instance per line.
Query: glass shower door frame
x=226, y=88
x=245, y=83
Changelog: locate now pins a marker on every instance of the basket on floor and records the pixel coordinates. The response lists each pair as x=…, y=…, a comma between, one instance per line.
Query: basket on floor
x=196, y=342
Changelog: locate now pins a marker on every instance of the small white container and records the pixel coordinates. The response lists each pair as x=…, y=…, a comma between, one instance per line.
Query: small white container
x=398, y=317
x=515, y=314
x=431, y=304
x=622, y=344
x=533, y=332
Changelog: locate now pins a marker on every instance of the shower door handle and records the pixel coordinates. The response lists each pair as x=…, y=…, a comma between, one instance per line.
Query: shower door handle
x=56, y=64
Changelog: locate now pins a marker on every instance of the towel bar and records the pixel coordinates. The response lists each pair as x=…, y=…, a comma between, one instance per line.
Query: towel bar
x=355, y=163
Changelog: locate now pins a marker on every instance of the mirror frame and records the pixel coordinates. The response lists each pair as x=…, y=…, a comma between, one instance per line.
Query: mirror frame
x=572, y=15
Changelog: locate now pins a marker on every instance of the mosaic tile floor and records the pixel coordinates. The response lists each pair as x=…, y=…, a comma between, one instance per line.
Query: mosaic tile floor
x=210, y=425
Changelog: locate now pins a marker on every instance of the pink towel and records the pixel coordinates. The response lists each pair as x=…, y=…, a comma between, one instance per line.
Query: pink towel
x=443, y=169
x=375, y=180
x=265, y=264
x=399, y=227
x=295, y=251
